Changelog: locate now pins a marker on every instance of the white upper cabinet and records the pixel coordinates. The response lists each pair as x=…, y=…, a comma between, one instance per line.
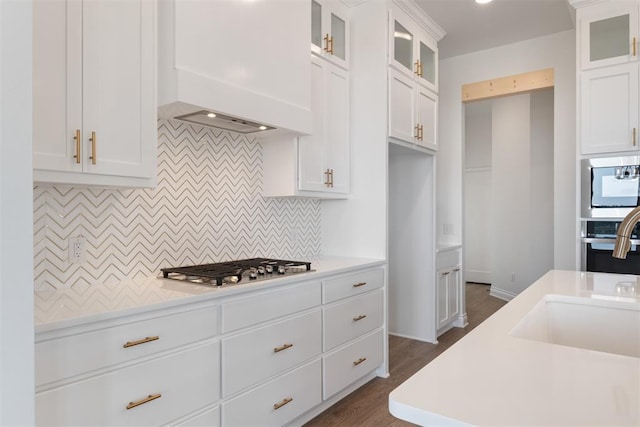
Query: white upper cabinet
x=330, y=31
x=411, y=50
x=317, y=165
x=609, y=109
x=608, y=33
x=247, y=59
x=94, y=92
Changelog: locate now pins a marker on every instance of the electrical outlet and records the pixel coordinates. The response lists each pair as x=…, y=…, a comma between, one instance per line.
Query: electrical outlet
x=77, y=247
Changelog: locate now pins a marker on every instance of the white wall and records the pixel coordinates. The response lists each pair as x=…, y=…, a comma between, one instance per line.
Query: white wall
x=16, y=225
x=555, y=51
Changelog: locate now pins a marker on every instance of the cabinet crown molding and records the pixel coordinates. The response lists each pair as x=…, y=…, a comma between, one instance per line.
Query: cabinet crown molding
x=583, y=3
x=422, y=18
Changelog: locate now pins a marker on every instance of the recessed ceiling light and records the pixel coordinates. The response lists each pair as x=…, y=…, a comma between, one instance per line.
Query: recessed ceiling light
x=482, y=1
x=211, y=115
x=262, y=127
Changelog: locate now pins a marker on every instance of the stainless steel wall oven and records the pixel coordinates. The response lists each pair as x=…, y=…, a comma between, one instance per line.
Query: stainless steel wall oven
x=610, y=186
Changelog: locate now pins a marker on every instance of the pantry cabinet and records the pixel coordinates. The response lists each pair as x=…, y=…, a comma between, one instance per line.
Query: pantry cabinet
x=94, y=92
x=316, y=165
x=330, y=31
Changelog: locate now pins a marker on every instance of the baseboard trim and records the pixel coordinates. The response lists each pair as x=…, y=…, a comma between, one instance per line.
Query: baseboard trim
x=477, y=276
x=435, y=341
x=501, y=293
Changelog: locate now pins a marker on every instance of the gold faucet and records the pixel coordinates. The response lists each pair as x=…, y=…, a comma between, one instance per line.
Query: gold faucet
x=623, y=236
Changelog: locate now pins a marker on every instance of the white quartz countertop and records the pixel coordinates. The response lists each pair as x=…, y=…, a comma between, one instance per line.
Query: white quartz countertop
x=490, y=377
x=77, y=305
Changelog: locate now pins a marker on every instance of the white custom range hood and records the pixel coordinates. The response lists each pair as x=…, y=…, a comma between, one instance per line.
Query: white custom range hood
x=246, y=62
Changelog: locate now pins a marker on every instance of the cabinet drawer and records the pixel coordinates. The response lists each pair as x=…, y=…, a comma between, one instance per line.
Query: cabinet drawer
x=352, y=362
x=75, y=354
x=261, y=308
x=352, y=318
x=184, y=381
x=255, y=356
x=447, y=259
x=210, y=418
x=352, y=284
x=258, y=407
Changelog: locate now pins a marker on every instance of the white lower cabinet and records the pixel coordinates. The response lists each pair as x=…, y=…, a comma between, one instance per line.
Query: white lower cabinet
x=277, y=402
x=209, y=418
x=149, y=393
x=256, y=355
x=448, y=289
x=351, y=319
x=352, y=362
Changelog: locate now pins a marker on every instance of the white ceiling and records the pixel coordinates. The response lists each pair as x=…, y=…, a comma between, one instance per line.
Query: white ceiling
x=471, y=26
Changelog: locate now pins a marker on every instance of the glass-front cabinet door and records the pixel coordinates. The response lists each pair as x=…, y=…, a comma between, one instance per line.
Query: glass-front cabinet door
x=609, y=34
x=412, y=51
x=330, y=31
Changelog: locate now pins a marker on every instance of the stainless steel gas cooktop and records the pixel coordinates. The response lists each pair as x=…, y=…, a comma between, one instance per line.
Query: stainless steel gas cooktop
x=235, y=272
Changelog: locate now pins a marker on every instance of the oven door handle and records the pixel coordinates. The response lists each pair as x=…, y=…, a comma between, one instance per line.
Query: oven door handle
x=605, y=240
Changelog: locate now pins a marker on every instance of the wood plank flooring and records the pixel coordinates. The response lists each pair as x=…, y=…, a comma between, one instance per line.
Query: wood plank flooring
x=368, y=406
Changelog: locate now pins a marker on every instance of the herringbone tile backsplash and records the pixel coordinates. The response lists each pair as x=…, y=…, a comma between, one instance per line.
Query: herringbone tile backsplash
x=207, y=207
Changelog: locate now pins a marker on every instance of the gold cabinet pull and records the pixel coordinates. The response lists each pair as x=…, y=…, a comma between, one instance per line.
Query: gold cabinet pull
x=634, y=137
x=327, y=180
x=359, y=361
x=634, y=46
x=282, y=347
x=360, y=317
x=445, y=273
x=328, y=44
x=93, y=148
x=420, y=69
x=143, y=401
x=142, y=341
x=78, y=142
x=330, y=178
x=357, y=285
x=279, y=405
x=417, y=71
x=420, y=132
x=416, y=134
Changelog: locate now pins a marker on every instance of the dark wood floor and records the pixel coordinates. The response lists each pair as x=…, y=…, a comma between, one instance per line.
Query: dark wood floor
x=368, y=406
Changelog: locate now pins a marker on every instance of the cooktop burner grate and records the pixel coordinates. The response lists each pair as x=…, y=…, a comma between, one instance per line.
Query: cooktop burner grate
x=233, y=271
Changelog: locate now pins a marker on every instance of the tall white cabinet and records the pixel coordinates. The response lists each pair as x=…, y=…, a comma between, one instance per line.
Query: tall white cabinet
x=607, y=67
x=94, y=92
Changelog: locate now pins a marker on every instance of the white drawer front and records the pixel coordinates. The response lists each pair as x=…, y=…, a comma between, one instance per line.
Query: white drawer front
x=352, y=318
x=448, y=259
x=252, y=357
x=210, y=418
x=347, y=365
x=185, y=381
x=75, y=354
x=352, y=284
x=258, y=407
x=271, y=305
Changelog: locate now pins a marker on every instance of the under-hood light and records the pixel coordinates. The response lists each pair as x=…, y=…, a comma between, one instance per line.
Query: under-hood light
x=222, y=121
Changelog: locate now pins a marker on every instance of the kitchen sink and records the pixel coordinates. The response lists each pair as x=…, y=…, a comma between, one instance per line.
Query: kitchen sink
x=606, y=325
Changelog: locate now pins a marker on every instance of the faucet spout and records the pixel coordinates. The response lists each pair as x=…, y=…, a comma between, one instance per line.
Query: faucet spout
x=623, y=236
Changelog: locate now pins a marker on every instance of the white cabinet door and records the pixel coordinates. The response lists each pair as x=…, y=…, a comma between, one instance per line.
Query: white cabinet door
x=401, y=106
x=330, y=31
x=442, y=298
x=608, y=33
x=57, y=84
x=119, y=87
x=426, y=117
x=94, y=86
x=323, y=157
x=609, y=109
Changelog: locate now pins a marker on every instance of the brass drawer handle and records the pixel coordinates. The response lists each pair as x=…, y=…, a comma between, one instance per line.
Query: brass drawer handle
x=446, y=273
x=357, y=285
x=143, y=401
x=282, y=347
x=362, y=316
x=359, y=361
x=279, y=405
x=142, y=341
